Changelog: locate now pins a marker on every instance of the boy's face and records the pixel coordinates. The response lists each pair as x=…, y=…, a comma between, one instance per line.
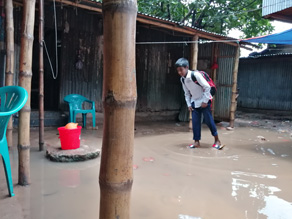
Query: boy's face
x=182, y=71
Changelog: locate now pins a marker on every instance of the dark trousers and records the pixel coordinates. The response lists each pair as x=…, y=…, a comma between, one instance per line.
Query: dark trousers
x=208, y=119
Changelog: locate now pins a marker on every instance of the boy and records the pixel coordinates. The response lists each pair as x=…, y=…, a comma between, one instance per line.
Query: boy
x=198, y=99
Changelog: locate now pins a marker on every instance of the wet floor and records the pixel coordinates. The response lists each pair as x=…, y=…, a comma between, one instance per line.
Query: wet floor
x=249, y=178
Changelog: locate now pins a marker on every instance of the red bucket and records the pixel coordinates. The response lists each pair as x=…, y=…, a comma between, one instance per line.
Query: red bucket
x=70, y=138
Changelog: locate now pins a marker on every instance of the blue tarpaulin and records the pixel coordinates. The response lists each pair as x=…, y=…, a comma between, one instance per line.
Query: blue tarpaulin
x=284, y=37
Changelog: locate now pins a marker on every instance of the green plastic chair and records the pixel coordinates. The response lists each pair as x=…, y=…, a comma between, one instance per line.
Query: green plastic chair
x=12, y=99
x=75, y=102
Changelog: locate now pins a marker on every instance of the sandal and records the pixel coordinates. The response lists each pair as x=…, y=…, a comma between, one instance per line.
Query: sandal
x=218, y=146
x=193, y=146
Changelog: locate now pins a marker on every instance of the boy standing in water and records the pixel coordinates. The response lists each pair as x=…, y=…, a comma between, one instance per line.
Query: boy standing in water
x=198, y=99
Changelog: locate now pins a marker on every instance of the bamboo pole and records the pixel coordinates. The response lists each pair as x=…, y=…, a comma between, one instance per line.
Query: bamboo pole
x=76, y=4
x=25, y=76
x=119, y=101
x=234, y=87
x=9, y=74
x=214, y=75
x=41, y=75
x=2, y=32
x=193, y=65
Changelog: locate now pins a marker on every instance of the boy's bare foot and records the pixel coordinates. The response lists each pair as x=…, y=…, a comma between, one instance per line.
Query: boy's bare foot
x=217, y=142
x=195, y=145
x=218, y=145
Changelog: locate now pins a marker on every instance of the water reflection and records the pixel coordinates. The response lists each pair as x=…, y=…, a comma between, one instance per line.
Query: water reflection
x=269, y=204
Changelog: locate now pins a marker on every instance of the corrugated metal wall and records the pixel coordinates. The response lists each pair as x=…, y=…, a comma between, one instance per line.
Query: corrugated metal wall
x=224, y=81
x=205, y=56
x=78, y=32
x=265, y=83
x=272, y=6
x=82, y=35
x=158, y=84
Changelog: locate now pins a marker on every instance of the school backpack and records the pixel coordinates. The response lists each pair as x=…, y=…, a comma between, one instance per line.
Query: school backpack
x=207, y=78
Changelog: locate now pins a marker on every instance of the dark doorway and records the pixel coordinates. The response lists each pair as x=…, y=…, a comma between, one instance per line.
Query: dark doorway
x=51, y=85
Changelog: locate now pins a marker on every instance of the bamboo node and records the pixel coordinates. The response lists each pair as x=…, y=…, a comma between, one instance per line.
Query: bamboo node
x=25, y=109
x=9, y=28
x=116, y=187
x=23, y=147
x=25, y=73
x=9, y=73
x=27, y=36
x=110, y=100
x=23, y=181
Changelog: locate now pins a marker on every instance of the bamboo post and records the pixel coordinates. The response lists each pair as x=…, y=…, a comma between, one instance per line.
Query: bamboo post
x=41, y=75
x=9, y=73
x=119, y=101
x=234, y=87
x=2, y=32
x=214, y=74
x=25, y=76
x=193, y=65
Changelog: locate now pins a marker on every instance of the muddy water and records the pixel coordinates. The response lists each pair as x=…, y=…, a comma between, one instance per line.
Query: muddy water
x=250, y=178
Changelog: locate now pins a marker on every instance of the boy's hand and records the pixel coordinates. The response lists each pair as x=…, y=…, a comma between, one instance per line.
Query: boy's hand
x=204, y=105
x=190, y=108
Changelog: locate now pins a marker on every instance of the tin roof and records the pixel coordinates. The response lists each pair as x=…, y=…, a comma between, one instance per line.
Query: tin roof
x=159, y=22
x=178, y=26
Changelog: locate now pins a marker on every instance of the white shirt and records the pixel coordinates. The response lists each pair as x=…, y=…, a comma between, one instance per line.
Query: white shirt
x=194, y=92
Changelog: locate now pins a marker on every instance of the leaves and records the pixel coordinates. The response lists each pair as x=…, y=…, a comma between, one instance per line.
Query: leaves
x=218, y=16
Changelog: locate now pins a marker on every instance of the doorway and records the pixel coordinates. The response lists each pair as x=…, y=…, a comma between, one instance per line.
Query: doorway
x=51, y=79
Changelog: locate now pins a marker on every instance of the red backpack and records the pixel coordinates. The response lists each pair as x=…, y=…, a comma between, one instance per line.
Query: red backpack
x=207, y=78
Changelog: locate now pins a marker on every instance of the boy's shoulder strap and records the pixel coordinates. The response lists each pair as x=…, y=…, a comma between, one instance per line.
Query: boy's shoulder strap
x=194, y=79
x=182, y=79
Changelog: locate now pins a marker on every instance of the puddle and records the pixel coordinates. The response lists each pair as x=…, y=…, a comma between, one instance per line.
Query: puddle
x=273, y=206
x=170, y=180
x=257, y=175
x=181, y=216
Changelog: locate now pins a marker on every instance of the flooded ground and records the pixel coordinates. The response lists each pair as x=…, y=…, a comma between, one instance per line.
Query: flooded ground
x=250, y=178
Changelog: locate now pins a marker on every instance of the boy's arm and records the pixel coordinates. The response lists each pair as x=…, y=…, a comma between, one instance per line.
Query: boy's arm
x=187, y=94
x=206, y=87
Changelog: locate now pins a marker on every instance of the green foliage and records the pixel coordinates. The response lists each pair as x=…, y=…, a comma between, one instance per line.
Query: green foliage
x=218, y=16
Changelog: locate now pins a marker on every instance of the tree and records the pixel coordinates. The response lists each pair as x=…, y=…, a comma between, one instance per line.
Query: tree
x=218, y=16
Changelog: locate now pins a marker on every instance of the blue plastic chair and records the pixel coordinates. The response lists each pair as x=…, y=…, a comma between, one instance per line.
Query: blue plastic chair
x=75, y=102
x=12, y=99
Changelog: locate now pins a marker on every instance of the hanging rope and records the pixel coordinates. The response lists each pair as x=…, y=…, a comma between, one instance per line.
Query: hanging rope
x=50, y=62
x=56, y=42
x=54, y=74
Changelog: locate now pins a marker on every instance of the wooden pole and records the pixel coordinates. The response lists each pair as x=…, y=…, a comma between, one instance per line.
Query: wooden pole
x=41, y=76
x=25, y=76
x=234, y=87
x=77, y=5
x=194, y=53
x=2, y=32
x=9, y=74
x=214, y=74
x=193, y=65
x=119, y=101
